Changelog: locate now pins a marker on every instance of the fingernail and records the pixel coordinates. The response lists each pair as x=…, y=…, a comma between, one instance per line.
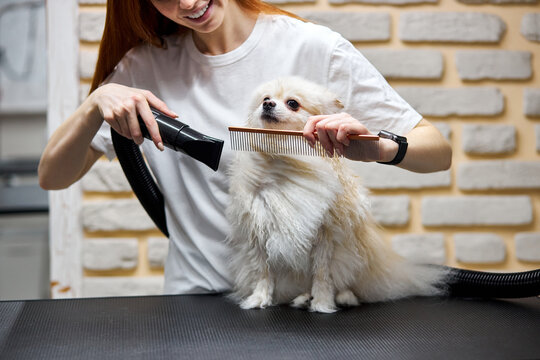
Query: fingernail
x=160, y=146
x=175, y=114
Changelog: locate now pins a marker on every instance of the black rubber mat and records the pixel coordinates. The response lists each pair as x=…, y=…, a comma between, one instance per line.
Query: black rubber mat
x=211, y=327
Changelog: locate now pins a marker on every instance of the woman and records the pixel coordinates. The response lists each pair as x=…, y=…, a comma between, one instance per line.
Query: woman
x=204, y=58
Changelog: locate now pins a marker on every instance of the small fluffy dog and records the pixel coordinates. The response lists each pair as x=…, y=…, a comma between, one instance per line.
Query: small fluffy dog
x=301, y=226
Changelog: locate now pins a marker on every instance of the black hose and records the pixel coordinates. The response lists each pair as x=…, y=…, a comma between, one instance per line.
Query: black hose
x=140, y=179
x=469, y=283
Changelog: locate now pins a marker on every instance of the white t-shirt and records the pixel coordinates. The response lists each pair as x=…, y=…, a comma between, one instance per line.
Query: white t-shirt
x=211, y=93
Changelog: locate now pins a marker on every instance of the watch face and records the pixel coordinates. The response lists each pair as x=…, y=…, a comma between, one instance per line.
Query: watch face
x=387, y=135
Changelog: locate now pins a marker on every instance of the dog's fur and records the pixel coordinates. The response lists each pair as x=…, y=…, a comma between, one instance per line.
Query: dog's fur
x=301, y=226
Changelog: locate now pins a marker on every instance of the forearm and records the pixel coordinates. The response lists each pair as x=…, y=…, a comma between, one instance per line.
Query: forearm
x=67, y=155
x=428, y=150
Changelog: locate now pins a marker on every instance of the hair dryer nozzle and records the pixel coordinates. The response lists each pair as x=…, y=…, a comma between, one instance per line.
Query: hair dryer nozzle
x=180, y=137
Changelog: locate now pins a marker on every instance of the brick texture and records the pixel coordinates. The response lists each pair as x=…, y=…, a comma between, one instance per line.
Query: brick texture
x=479, y=248
x=110, y=254
x=406, y=64
x=115, y=215
x=500, y=175
x=531, y=102
x=158, y=249
x=530, y=26
x=99, y=286
x=435, y=101
x=489, y=139
x=379, y=176
x=91, y=25
x=460, y=27
x=476, y=210
x=494, y=64
x=367, y=27
x=421, y=248
x=528, y=246
x=391, y=210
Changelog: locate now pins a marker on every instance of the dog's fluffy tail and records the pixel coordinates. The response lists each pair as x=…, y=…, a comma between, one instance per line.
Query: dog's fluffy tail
x=400, y=279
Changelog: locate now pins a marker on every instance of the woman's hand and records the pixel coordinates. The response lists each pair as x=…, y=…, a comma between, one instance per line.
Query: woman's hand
x=333, y=131
x=120, y=105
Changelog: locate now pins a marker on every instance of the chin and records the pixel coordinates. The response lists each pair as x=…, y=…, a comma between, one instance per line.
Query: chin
x=301, y=227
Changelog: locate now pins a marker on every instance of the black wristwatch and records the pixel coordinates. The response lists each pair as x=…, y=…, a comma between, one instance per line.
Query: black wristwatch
x=402, y=149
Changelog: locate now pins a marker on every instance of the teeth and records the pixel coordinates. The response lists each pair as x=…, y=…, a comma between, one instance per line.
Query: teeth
x=199, y=14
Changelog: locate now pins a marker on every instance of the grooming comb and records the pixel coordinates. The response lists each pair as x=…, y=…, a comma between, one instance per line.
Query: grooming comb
x=291, y=142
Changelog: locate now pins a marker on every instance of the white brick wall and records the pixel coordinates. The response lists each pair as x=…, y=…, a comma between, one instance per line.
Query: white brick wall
x=471, y=72
x=461, y=27
x=436, y=101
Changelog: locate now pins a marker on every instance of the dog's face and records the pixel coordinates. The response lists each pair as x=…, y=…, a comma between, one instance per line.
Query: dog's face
x=287, y=103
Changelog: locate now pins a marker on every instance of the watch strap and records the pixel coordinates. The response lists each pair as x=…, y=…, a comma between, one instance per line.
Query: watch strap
x=402, y=147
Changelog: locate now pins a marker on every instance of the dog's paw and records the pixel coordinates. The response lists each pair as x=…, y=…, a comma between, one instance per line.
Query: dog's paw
x=322, y=306
x=346, y=298
x=301, y=301
x=256, y=301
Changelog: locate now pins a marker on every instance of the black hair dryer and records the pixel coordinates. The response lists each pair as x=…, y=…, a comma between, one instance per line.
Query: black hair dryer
x=180, y=137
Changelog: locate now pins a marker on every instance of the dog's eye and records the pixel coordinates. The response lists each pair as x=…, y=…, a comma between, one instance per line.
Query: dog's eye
x=293, y=104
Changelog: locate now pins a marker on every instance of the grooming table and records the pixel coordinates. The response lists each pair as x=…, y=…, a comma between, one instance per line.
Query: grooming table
x=212, y=327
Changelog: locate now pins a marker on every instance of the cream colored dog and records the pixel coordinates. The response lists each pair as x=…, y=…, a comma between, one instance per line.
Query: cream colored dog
x=301, y=226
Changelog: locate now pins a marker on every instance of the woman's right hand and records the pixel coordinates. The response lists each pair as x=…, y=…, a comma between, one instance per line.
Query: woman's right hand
x=120, y=105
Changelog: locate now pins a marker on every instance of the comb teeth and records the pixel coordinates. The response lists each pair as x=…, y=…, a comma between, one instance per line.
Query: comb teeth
x=285, y=144
x=289, y=142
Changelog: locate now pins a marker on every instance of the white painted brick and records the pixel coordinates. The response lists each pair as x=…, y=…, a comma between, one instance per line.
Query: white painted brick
x=383, y=2
x=479, y=248
x=494, y=64
x=435, y=101
x=87, y=63
x=354, y=26
x=531, y=102
x=498, y=1
x=537, y=131
x=476, y=210
x=114, y=215
x=158, y=248
x=105, y=176
x=379, y=176
x=528, y=246
x=91, y=24
x=463, y=27
x=499, y=175
x=489, y=139
x=530, y=26
x=421, y=248
x=110, y=253
x=279, y=2
x=406, y=64
x=122, y=286
x=391, y=210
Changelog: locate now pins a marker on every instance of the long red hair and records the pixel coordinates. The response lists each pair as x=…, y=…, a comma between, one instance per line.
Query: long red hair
x=129, y=23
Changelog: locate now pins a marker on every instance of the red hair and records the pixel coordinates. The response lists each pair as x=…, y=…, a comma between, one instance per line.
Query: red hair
x=129, y=23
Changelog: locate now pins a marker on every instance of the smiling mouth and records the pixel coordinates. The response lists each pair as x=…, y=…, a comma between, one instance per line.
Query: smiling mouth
x=199, y=14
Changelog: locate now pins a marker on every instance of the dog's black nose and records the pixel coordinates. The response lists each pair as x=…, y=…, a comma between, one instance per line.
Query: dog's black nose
x=268, y=105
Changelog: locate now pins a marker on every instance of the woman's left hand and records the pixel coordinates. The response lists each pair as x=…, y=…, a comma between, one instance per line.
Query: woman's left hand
x=333, y=131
